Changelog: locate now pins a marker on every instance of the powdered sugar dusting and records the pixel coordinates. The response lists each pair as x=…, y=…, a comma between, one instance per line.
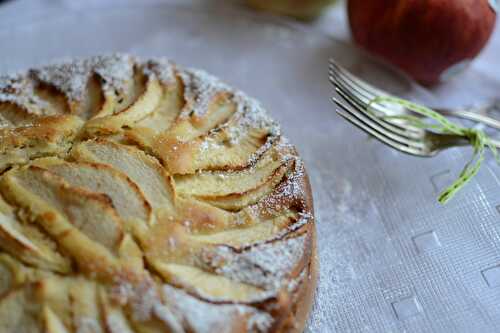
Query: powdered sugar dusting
x=271, y=140
x=70, y=78
x=115, y=70
x=264, y=265
x=206, y=317
x=251, y=116
x=140, y=296
x=291, y=191
x=19, y=90
x=87, y=325
x=162, y=68
x=12, y=84
x=199, y=90
x=116, y=324
x=167, y=317
x=295, y=283
x=254, y=114
x=209, y=144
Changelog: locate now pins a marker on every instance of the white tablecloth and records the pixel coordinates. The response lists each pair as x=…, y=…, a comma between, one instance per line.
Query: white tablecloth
x=391, y=258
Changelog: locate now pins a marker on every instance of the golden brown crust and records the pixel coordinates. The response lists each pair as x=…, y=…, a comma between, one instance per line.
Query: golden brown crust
x=307, y=291
x=304, y=295
x=138, y=196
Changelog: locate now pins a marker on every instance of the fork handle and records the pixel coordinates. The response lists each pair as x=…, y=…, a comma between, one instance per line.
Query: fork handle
x=488, y=121
x=495, y=143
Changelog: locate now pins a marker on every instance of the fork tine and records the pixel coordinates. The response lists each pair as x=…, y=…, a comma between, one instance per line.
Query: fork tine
x=352, y=99
x=395, y=128
x=351, y=91
x=373, y=123
x=376, y=135
x=344, y=80
x=367, y=90
x=352, y=95
x=347, y=114
x=338, y=79
x=344, y=113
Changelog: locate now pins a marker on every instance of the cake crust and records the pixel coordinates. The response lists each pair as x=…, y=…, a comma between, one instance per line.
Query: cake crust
x=141, y=196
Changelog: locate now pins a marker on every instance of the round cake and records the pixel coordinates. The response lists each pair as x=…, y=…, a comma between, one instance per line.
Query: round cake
x=141, y=196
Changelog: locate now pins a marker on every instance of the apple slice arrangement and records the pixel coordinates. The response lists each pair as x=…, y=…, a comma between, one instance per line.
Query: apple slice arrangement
x=430, y=40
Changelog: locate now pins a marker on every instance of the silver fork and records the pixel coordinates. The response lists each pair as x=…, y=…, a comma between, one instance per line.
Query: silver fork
x=366, y=92
x=357, y=94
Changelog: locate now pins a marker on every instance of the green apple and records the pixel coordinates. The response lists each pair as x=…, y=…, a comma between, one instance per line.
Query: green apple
x=300, y=9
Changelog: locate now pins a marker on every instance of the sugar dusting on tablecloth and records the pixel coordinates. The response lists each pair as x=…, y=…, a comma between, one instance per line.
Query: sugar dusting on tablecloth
x=350, y=207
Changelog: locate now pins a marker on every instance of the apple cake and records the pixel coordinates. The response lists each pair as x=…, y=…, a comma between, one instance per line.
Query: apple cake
x=140, y=196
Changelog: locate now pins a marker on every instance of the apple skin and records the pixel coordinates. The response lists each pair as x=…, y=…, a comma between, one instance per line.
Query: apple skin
x=425, y=38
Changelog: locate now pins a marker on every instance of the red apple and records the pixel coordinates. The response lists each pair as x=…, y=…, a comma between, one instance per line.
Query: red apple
x=428, y=39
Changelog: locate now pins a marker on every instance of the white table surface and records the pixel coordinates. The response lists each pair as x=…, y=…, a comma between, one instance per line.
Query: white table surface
x=372, y=268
